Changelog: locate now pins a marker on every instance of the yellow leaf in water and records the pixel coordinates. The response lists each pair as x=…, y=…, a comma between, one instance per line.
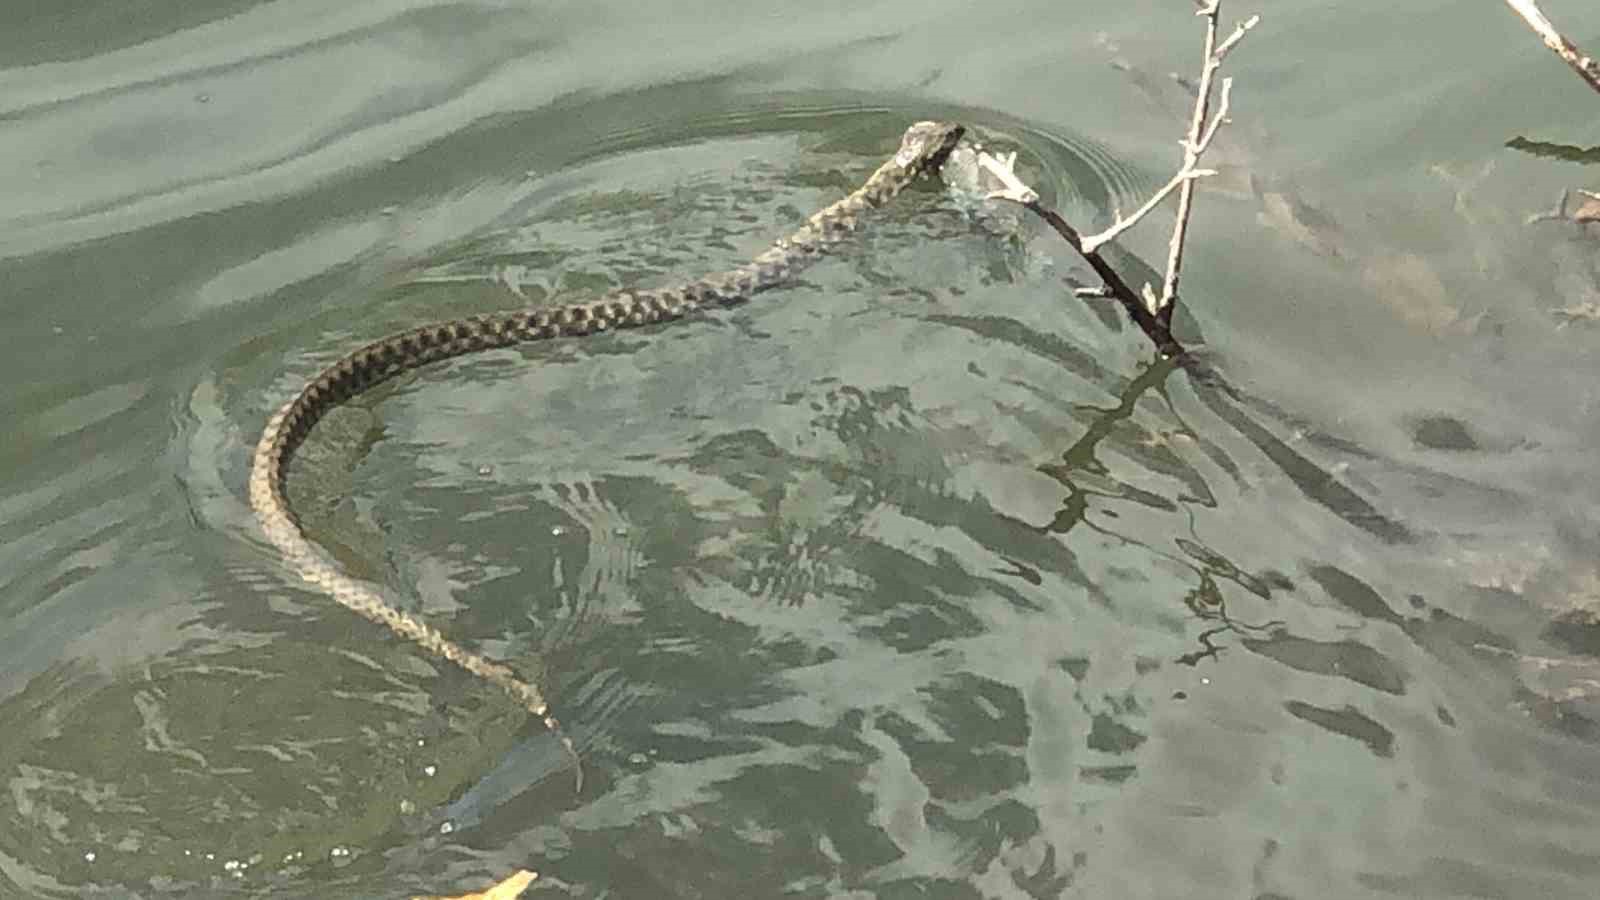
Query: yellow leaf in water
x=509, y=889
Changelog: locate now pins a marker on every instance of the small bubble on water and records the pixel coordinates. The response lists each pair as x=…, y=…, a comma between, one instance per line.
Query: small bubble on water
x=430, y=770
x=557, y=531
x=89, y=856
x=447, y=827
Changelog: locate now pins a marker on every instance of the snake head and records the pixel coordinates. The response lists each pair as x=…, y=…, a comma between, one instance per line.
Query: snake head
x=926, y=145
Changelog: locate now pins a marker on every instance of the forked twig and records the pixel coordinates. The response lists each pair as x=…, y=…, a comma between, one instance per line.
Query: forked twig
x=1152, y=314
x=1195, y=144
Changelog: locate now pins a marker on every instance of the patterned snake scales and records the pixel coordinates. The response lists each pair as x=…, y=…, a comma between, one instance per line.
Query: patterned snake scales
x=923, y=150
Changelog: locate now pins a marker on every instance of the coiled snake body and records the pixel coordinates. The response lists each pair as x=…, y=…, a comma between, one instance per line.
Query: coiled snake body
x=923, y=150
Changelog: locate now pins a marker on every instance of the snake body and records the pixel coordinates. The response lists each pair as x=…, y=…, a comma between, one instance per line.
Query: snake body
x=923, y=150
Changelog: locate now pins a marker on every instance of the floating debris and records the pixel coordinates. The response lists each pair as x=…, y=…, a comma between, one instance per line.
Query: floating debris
x=508, y=889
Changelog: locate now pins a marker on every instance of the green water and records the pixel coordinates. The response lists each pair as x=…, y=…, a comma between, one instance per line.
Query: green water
x=915, y=578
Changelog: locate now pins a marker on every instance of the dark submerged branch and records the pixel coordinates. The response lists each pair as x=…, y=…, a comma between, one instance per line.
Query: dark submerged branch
x=1155, y=328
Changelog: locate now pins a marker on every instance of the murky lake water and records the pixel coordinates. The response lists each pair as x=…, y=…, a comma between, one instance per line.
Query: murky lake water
x=915, y=578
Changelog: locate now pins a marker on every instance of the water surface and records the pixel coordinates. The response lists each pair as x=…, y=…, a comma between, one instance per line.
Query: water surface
x=916, y=578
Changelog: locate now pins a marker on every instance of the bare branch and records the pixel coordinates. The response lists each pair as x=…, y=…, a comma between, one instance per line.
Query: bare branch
x=1152, y=313
x=1003, y=168
x=1016, y=191
x=1219, y=118
x=1236, y=37
x=1192, y=152
x=1585, y=66
x=1195, y=145
x=1095, y=241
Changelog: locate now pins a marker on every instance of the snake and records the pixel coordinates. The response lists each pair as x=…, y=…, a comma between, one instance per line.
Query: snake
x=923, y=150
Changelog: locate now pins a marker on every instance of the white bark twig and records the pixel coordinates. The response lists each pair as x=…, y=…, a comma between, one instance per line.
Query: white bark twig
x=1196, y=144
x=1193, y=148
x=1237, y=36
x=1585, y=66
x=1004, y=170
x=1094, y=242
x=1151, y=313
